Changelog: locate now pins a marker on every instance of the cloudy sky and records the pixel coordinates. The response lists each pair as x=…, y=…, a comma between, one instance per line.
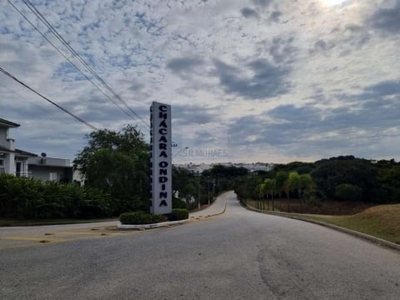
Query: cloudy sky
x=255, y=80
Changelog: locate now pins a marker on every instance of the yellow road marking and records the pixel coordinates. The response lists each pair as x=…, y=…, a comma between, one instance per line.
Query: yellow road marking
x=38, y=239
x=89, y=233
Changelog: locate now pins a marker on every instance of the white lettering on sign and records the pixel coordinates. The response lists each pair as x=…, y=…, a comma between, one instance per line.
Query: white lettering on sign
x=161, y=160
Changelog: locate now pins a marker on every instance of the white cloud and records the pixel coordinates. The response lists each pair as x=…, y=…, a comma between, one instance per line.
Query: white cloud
x=221, y=64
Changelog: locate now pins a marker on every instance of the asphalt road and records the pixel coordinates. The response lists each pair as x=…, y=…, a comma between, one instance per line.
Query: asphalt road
x=237, y=255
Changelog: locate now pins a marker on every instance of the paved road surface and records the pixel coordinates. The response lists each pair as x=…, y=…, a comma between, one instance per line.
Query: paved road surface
x=238, y=255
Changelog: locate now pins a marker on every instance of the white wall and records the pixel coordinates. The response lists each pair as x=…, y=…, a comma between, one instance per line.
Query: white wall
x=3, y=136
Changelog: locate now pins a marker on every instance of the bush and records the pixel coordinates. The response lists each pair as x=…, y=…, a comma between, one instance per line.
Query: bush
x=178, y=214
x=178, y=203
x=27, y=198
x=140, y=217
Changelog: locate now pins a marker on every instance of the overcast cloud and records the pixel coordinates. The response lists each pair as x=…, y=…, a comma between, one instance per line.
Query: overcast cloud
x=256, y=80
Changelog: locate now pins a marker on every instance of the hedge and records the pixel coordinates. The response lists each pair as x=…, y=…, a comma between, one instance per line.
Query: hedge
x=178, y=214
x=140, y=217
x=27, y=198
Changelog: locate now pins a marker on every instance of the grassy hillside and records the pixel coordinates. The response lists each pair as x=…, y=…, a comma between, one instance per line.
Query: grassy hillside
x=382, y=221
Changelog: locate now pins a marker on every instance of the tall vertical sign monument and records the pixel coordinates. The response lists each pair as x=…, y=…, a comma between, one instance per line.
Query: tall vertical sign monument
x=161, y=158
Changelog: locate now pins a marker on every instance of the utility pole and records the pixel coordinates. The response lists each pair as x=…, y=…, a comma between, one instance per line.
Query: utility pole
x=198, y=189
x=208, y=190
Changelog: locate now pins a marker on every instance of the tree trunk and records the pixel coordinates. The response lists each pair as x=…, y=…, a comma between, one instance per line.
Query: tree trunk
x=301, y=202
x=288, y=203
x=273, y=208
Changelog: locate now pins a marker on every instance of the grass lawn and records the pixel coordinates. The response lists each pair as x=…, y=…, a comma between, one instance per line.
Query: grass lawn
x=382, y=221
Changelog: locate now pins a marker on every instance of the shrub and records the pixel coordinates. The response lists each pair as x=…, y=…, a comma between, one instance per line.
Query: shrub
x=178, y=214
x=26, y=198
x=178, y=203
x=140, y=217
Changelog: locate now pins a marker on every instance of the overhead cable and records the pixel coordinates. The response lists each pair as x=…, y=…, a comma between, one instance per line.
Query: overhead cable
x=76, y=68
x=76, y=54
x=47, y=99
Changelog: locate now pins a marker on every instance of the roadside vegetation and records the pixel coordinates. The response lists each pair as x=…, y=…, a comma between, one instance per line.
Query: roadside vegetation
x=29, y=199
x=354, y=193
x=314, y=187
x=116, y=166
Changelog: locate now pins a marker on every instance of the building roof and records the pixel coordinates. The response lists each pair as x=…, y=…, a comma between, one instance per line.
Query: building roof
x=18, y=152
x=49, y=162
x=24, y=153
x=9, y=124
x=5, y=149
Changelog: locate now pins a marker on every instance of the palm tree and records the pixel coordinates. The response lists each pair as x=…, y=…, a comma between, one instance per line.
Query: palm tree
x=295, y=182
x=259, y=192
x=287, y=188
x=307, y=185
x=269, y=188
x=272, y=191
x=280, y=180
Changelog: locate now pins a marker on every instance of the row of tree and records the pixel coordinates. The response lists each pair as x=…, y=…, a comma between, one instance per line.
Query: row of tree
x=343, y=178
x=292, y=184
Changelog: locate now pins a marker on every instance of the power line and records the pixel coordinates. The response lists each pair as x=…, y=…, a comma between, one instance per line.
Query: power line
x=22, y=97
x=80, y=59
x=76, y=68
x=47, y=99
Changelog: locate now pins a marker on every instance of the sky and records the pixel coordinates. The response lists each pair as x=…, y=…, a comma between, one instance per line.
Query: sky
x=249, y=81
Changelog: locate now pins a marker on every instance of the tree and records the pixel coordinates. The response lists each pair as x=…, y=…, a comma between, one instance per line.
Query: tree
x=260, y=190
x=348, y=192
x=294, y=181
x=305, y=184
x=117, y=163
x=185, y=183
x=291, y=184
x=129, y=141
x=270, y=189
x=345, y=169
x=280, y=180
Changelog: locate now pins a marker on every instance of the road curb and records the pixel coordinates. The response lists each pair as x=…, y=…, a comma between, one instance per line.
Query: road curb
x=358, y=234
x=152, y=226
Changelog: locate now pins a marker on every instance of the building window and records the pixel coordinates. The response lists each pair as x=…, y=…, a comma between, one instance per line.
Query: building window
x=53, y=176
x=1, y=163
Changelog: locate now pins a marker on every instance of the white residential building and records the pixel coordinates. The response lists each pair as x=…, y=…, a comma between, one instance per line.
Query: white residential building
x=25, y=164
x=12, y=161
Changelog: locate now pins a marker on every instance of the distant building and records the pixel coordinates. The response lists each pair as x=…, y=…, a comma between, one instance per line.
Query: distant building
x=25, y=164
x=12, y=161
x=49, y=168
x=252, y=167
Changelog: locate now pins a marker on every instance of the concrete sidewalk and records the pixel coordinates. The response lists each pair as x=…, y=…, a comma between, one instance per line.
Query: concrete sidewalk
x=218, y=207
